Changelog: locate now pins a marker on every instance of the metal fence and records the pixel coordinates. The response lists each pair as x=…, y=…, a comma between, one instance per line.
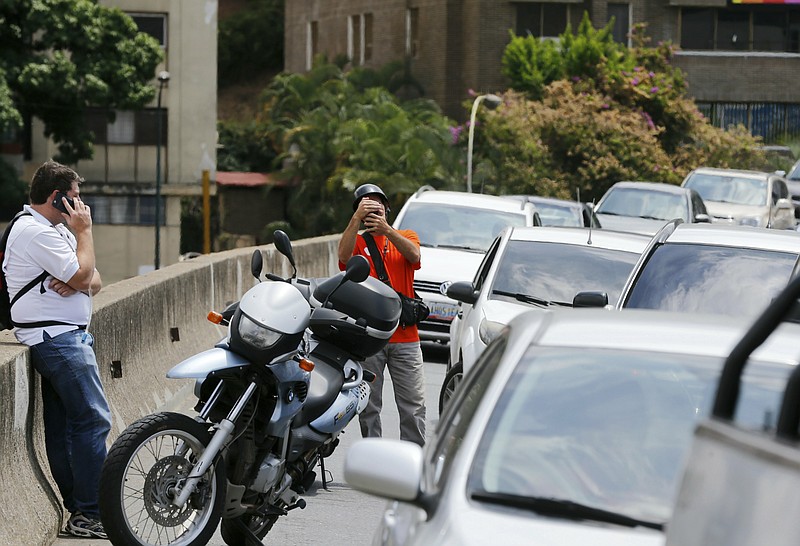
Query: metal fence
x=773, y=121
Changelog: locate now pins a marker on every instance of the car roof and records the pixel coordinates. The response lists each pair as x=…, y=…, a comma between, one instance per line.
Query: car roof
x=602, y=238
x=536, y=199
x=655, y=331
x=477, y=200
x=654, y=186
x=743, y=173
x=735, y=236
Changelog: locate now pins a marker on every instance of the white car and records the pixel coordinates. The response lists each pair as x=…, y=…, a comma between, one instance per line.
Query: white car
x=534, y=268
x=572, y=428
x=747, y=198
x=455, y=229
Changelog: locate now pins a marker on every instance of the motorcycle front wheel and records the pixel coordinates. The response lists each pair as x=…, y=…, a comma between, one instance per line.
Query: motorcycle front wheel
x=141, y=476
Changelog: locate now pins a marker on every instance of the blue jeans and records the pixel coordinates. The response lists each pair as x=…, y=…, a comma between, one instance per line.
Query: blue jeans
x=76, y=417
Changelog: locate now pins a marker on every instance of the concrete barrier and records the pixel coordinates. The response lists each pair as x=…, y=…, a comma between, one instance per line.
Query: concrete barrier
x=142, y=327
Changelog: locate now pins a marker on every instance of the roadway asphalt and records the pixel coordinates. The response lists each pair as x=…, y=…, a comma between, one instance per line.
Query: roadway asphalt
x=339, y=516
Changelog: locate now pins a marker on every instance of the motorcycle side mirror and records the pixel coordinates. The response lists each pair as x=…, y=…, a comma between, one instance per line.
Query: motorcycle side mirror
x=284, y=245
x=256, y=264
x=357, y=269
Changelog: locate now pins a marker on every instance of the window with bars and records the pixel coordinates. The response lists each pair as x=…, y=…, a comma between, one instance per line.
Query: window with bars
x=359, y=38
x=743, y=28
x=312, y=43
x=153, y=24
x=543, y=20
x=125, y=209
x=412, y=32
x=139, y=127
x=620, y=13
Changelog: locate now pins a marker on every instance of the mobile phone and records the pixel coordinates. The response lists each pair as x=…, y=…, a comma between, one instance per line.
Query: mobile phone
x=59, y=204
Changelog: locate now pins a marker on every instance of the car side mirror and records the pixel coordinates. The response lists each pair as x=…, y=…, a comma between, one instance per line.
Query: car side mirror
x=463, y=291
x=590, y=299
x=702, y=218
x=784, y=204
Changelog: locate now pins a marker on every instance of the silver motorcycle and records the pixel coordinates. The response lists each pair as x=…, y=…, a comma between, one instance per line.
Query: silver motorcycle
x=272, y=398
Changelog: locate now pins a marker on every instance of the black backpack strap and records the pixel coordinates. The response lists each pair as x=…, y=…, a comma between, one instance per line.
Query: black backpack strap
x=377, y=259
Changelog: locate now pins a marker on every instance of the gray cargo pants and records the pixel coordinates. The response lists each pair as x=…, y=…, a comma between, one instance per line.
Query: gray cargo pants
x=404, y=361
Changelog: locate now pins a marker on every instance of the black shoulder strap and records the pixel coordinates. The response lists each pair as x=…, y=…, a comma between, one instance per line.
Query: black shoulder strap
x=28, y=287
x=377, y=259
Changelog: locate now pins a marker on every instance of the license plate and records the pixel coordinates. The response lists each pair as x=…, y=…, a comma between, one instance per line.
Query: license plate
x=442, y=311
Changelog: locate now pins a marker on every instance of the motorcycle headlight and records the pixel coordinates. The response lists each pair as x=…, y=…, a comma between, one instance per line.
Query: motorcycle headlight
x=752, y=221
x=256, y=335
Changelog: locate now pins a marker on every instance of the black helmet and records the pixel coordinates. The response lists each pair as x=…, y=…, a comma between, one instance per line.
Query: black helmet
x=369, y=189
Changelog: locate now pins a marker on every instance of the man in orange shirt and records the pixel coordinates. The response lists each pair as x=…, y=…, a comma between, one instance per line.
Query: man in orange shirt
x=403, y=354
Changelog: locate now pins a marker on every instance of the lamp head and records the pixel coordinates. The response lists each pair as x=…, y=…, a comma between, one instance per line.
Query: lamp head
x=163, y=76
x=492, y=101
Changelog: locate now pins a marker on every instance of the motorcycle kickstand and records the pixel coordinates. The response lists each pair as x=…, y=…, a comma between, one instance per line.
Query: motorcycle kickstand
x=249, y=534
x=324, y=473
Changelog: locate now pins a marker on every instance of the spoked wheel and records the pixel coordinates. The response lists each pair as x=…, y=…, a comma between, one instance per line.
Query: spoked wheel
x=451, y=382
x=141, y=476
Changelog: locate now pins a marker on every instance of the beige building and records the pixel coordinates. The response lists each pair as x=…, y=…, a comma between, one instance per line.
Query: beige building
x=121, y=181
x=740, y=58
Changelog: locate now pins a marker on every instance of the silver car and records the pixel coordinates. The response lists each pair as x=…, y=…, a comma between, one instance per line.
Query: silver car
x=644, y=207
x=535, y=268
x=712, y=268
x=746, y=198
x=572, y=428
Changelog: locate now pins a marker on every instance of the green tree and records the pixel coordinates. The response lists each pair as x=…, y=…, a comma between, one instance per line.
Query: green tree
x=334, y=130
x=60, y=57
x=587, y=112
x=251, y=41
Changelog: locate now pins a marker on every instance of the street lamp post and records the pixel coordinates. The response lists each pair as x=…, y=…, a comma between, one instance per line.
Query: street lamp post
x=163, y=78
x=492, y=102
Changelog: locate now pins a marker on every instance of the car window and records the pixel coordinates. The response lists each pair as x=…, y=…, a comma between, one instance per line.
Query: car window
x=457, y=226
x=458, y=415
x=608, y=428
x=729, y=189
x=644, y=203
x=779, y=190
x=486, y=264
x=711, y=279
x=556, y=272
x=553, y=214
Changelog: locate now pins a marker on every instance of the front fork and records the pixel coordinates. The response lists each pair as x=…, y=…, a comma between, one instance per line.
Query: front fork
x=218, y=441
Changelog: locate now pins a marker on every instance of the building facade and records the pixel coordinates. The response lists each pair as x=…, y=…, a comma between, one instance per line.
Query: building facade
x=738, y=57
x=121, y=181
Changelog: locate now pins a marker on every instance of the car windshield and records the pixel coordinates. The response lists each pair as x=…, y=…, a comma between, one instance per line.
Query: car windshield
x=553, y=214
x=607, y=429
x=555, y=272
x=454, y=226
x=711, y=279
x=644, y=203
x=729, y=189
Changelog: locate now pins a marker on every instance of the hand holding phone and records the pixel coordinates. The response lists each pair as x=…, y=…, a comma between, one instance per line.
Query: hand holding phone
x=59, y=203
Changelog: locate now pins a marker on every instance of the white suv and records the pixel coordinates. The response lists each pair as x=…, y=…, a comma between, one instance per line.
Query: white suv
x=455, y=229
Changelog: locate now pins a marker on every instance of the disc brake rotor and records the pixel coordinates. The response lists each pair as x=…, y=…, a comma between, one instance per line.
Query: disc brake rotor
x=161, y=486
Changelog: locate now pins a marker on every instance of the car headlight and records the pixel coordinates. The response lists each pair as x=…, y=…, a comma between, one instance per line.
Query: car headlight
x=255, y=335
x=753, y=221
x=489, y=329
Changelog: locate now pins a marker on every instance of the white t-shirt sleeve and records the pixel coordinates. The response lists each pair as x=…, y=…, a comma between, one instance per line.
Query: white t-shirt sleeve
x=50, y=251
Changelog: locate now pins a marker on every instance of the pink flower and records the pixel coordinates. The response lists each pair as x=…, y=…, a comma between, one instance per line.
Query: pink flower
x=651, y=74
x=455, y=132
x=637, y=68
x=654, y=90
x=635, y=81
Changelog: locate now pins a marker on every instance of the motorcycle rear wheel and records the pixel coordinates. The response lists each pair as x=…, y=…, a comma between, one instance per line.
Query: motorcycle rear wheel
x=139, y=478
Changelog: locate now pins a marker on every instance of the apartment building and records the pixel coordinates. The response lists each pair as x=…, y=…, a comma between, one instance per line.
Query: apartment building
x=122, y=181
x=739, y=56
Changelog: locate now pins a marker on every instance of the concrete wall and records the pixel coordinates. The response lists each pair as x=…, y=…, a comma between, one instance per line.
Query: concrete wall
x=135, y=322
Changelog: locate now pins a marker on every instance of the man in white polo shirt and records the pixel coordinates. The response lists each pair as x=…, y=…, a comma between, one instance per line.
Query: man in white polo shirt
x=53, y=270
